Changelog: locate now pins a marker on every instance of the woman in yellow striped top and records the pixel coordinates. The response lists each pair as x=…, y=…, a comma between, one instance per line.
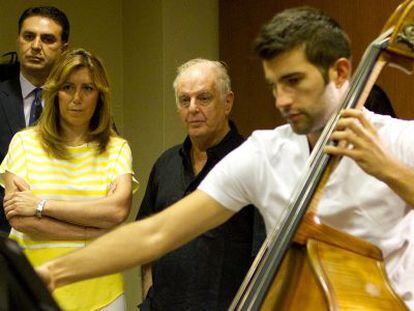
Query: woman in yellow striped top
x=69, y=179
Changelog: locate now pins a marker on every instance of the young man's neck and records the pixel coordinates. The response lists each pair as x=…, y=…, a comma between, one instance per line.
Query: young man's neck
x=313, y=139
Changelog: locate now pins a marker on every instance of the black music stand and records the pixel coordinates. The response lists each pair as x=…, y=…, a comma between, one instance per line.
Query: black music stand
x=20, y=286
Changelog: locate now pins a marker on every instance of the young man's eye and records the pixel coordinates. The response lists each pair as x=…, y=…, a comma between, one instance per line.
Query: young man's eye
x=292, y=81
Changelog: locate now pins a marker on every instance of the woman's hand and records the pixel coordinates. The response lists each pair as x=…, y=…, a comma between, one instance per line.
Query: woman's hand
x=45, y=274
x=21, y=202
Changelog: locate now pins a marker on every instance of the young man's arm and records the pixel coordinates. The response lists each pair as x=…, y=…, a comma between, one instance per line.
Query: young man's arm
x=140, y=242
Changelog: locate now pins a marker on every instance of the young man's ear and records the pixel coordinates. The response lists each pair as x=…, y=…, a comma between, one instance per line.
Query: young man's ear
x=340, y=71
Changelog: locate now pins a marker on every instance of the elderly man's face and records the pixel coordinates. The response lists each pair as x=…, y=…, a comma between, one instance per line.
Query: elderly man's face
x=201, y=106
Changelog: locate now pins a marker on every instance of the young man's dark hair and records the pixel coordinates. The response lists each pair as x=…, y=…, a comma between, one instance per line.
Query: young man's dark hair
x=322, y=37
x=50, y=12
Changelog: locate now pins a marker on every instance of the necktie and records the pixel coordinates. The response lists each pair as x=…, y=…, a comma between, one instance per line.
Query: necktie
x=36, y=107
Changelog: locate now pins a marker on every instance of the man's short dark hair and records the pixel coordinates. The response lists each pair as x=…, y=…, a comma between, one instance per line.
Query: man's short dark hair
x=50, y=12
x=322, y=37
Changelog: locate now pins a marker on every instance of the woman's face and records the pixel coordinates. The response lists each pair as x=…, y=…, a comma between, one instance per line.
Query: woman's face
x=78, y=97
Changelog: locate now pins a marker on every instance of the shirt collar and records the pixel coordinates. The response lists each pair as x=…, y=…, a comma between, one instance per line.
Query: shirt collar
x=218, y=149
x=26, y=86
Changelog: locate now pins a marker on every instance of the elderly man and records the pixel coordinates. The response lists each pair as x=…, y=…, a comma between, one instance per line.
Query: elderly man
x=306, y=60
x=43, y=34
x=205, y=273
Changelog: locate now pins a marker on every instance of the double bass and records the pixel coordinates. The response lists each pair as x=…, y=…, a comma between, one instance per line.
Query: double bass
x=304, y=264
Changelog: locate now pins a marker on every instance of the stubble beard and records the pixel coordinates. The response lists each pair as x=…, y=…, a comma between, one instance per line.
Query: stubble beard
x=332, y=99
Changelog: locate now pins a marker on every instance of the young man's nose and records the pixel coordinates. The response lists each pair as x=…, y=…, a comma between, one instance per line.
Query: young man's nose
x=283, y=98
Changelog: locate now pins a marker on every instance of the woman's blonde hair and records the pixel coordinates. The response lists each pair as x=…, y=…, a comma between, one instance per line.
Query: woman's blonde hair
x=49, y=126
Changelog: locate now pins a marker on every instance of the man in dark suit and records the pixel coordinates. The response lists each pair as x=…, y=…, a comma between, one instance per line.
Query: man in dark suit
x=43, y=34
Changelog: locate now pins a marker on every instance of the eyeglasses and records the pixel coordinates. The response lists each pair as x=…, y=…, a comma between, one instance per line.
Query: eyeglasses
x=201, y=100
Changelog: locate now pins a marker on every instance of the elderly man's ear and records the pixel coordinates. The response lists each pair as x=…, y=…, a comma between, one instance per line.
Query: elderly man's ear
x=229, y=102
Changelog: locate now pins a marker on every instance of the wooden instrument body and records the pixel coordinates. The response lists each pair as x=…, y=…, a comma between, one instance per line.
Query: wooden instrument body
x=326, y=269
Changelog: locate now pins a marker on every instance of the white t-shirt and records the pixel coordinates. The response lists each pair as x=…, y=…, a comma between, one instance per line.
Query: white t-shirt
x=266, y=168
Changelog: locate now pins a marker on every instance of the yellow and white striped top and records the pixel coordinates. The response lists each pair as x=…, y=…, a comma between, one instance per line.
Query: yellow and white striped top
x=86, y=176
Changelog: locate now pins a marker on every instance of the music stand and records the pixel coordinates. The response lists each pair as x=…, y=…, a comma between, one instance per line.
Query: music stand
x=20, y=286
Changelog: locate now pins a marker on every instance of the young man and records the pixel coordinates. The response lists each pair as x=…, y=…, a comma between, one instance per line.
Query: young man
x=43, y=34
x=306, y=61
x=206, y=273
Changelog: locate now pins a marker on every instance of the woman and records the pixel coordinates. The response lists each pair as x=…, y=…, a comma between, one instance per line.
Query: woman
x=69, y=179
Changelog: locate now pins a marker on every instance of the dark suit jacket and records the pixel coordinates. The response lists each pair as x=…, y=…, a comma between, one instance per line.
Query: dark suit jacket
x=11, y=121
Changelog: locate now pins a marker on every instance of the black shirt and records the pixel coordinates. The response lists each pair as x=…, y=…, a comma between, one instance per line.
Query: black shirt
x=206, y=273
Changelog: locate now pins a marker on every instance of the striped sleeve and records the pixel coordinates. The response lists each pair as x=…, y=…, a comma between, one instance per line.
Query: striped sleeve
x=123, y=164
x=15, y=159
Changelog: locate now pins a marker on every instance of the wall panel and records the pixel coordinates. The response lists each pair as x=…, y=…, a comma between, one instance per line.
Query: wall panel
x=240, y=21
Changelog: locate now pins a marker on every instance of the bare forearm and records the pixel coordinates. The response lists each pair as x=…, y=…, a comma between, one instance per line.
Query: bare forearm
x=400, y=178
x=84, y=263
x=51, y=229
x=140, y=242
x=105, y=212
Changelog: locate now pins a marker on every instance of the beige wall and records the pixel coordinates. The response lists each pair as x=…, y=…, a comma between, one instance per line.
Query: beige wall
x=141, y=43
x=90, y=23
x=158, y=36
